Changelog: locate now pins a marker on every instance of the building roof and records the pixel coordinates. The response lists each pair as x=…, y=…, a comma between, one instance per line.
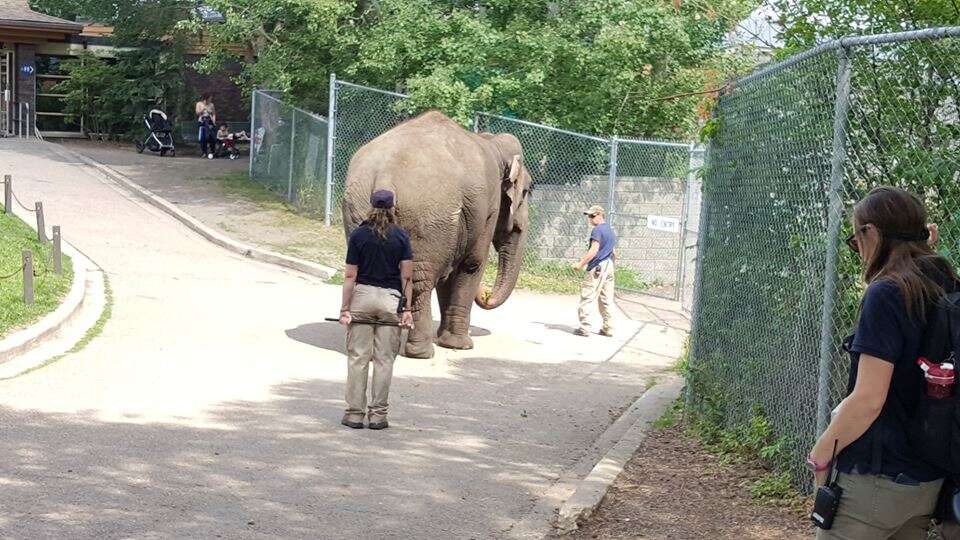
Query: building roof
x=17, y=14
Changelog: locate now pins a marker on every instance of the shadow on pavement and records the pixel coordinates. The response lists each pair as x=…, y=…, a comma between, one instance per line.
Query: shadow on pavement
x=465, y=456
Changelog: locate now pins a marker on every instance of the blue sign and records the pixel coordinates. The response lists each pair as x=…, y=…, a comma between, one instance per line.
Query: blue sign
x=27, y=69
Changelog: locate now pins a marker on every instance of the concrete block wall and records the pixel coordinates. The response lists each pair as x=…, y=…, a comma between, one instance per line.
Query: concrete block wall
x=561, y=232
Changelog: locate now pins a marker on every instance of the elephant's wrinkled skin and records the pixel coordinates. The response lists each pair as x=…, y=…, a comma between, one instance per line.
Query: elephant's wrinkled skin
x=456, y=194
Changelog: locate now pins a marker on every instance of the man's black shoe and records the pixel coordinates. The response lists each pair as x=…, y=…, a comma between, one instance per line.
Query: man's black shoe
x=354, y=425
x=378, y=425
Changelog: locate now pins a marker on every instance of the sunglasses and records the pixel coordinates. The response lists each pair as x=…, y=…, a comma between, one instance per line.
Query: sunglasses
x=852, y=242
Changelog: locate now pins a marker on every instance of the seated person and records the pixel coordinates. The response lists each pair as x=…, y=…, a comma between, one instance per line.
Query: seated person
x=224, y=134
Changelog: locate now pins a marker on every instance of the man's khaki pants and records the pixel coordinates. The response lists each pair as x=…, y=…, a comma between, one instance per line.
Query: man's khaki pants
x=876, y=507
x=366, y=343
x=598, y=287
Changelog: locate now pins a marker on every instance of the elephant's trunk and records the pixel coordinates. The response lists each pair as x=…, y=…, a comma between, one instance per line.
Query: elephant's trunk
x=509, y=258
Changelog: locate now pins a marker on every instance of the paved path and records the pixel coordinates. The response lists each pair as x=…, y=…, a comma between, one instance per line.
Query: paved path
x=210, y=405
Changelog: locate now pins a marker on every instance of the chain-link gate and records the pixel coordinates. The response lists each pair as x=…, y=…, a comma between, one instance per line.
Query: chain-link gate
x=794, y=146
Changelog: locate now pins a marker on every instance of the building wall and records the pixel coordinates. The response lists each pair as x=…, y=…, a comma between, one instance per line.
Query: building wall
x=232, y=105
x=561, y=233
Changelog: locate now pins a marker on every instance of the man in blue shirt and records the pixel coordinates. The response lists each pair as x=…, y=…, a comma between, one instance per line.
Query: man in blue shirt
x=598, y=283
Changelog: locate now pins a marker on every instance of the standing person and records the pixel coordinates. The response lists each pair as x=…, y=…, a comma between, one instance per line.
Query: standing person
x=888, y=490
x=206, y=122
x=598, y=283
x=379, y=267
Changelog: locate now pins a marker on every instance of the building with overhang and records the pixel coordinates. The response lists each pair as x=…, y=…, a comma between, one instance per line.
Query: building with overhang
x=33, y=47
x=25, y=38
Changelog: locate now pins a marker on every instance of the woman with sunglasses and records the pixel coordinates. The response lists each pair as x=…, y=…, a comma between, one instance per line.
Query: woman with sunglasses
x=888, y=491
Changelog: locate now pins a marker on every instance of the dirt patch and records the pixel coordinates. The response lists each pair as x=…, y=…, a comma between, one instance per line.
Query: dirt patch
x=673, y=488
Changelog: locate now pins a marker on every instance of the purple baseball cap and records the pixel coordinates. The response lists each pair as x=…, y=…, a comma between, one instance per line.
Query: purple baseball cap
x=382, y=198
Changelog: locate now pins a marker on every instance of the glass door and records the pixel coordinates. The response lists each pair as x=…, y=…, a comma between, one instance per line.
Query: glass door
x=6, y=90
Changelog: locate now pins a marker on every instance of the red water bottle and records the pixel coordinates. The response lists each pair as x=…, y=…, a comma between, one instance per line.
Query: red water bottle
x=940, y=378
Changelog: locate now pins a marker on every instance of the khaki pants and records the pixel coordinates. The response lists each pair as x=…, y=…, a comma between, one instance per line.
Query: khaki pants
x=598, y=287
x=366, y=343
x=875, y=508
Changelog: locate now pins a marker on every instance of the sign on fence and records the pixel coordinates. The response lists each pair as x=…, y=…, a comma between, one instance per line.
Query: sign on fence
x=665, y=224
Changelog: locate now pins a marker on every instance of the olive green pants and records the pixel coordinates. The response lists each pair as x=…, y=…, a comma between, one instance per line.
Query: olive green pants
x=370, y=343
x=876, y=508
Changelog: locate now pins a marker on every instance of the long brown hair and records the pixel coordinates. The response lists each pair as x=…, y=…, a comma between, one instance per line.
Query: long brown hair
x=380, y=220
x=903, y=255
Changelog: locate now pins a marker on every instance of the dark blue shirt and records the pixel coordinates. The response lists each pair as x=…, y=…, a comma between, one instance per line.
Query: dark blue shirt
x=886, y=331
x=378, y=261
x=603, y=234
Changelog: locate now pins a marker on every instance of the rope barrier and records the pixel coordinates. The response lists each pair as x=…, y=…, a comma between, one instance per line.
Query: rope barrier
x=13, y=274
x=21, y=204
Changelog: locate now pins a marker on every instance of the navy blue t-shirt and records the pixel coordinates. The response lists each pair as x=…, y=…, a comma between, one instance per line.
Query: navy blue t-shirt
x=378, y=261
x=603, y=234
x=886, y=331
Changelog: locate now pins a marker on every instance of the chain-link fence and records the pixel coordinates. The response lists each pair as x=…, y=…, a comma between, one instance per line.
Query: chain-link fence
x=641, y=183
x=288, y=151
x=793, y=147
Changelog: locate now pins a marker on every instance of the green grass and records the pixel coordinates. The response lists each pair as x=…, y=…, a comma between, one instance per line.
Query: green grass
x=670, y=417
x=15, y=237
x=552, y=277
x=93, y=332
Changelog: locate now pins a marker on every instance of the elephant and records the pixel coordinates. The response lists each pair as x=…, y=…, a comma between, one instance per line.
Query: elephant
x=457, y=193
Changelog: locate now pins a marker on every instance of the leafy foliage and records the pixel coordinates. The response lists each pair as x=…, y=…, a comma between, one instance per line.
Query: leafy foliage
x=589, y=65
x=806, y=22
x=112, y=94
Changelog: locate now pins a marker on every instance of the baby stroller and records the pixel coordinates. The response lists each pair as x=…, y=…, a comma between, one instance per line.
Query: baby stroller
x=159, y=139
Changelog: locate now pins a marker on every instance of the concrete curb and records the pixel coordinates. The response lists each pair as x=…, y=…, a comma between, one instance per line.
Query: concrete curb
x=255, y=253
x=49, y=326
x=590, y=491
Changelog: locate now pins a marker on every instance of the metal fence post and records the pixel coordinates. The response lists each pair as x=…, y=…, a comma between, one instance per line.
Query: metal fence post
x=293, y=138
x=841, y=110
x=57, y=252
x=476, y=123
x=703, y=226
x=41, y=225
x=7, y=194
x=684, y=209
x=253, y=130
x=612, y=180
x=28, y=295
x=331, y=141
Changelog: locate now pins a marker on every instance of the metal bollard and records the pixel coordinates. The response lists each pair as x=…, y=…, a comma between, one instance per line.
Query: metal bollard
x=28, y=277
x=41, y=226
x=57, y=253
x=7, y=194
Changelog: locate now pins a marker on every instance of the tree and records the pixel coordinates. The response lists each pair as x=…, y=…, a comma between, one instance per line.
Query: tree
x=148, y=69
x=589, y=65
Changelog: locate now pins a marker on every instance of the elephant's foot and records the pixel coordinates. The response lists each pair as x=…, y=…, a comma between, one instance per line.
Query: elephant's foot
x=450, y=340
x=419, y=349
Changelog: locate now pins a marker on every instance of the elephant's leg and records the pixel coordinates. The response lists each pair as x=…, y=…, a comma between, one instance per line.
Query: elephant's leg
x=462, y=287
x=443, y=300
x=420, y=338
